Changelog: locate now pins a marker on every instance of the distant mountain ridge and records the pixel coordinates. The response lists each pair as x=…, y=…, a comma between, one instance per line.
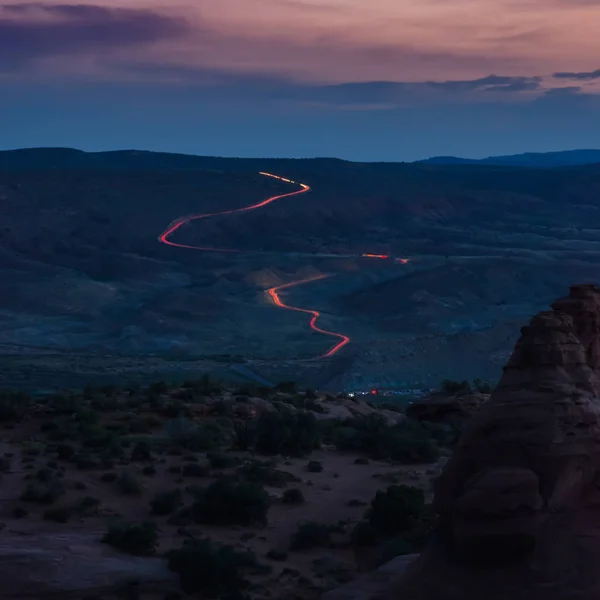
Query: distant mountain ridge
x=566, y=158
x=70, y=158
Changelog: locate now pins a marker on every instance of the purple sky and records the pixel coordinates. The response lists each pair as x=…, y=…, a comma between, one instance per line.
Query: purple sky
x=376, y=80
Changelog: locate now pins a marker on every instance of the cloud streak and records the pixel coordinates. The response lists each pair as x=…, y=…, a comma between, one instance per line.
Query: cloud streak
x=582, y=76
x=491, y=83
x=33, y=31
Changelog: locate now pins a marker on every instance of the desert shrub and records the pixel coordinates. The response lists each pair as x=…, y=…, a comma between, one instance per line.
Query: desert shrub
x=43, y=492
x=287, y=433
x=265, y=473
x=210, y=570
x=229, y=502
x=314, y=466
x=87, y=505
x=293, y=496
x=397, y=509
x=105, y=403
x=278, y=555
x=310, y=535
x=63, y=404
x=450, y=386
x=59, y=514
x=205, y=385
x=144, y=424
x=33, y=448
x=364, y=534
x=158, y=387
x=13, y=405
x=221, y=408
x=205, y=436
x=406, y=447
x=448, y=433
x=397, y=546
x=406, y=442
x=45, y=474
x=287, y=387
x=128, y=484
x=482, y=386
x=221, y=460
x=19, y=512
x=141, y=451
x=165, y=503
x=245, y=431
x=86, y=461
x=174, y=408
x=194, y=470
x=132, y=538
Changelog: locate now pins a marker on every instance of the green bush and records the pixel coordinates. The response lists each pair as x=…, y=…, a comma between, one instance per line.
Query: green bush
x=406, y=442
x=397, y=509
x=310, y=535
x=13, y=405
x=62, y=404
x=265, y=473
x=364, y=534
x=397, y=546
x=65, y=451
x=165, y=503
x=88, y=505
x=287, y=433
x=141, y=451
x=210, y=570
x=221, y=460
x=43, y=492
x=19, y=512
x=59, y=514
x=293, y=496
x=454, y=387
x=287, y=387
x=194, y=470
x=198, y=438
x=128, y=484
x=158, y=387
x=229, y=502
x=314, y=466
x=137, y=539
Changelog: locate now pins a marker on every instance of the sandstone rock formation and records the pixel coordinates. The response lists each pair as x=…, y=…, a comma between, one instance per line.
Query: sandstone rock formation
x=519, y=501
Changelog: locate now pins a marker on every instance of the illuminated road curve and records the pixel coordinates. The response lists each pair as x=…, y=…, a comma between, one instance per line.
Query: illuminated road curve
x=274, y=291
x=315, y=314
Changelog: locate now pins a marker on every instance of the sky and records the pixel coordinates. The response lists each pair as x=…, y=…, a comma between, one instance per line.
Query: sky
x=366, y=80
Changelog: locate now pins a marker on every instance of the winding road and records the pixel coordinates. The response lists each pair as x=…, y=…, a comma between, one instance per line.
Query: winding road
x=340, y=339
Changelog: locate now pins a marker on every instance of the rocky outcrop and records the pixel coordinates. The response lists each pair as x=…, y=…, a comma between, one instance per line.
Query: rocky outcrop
x=73, y=565
x=519, y=502
x=440, y=407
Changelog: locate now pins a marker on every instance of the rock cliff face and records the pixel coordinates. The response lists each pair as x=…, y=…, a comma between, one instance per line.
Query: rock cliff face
x=519, y=501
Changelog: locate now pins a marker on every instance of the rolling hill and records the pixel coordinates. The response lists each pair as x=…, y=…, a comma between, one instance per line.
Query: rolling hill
x=82, y=270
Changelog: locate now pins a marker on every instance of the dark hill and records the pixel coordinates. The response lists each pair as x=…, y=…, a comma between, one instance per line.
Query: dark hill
x=568, y=158
x=81, y=268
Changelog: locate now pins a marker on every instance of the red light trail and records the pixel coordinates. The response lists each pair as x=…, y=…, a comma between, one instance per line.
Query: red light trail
x=274, y=291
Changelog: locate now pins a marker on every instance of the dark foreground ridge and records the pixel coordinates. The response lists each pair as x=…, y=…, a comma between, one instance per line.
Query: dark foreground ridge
x=518, y=502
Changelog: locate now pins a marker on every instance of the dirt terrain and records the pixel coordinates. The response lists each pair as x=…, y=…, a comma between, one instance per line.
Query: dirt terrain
x=77, y=468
